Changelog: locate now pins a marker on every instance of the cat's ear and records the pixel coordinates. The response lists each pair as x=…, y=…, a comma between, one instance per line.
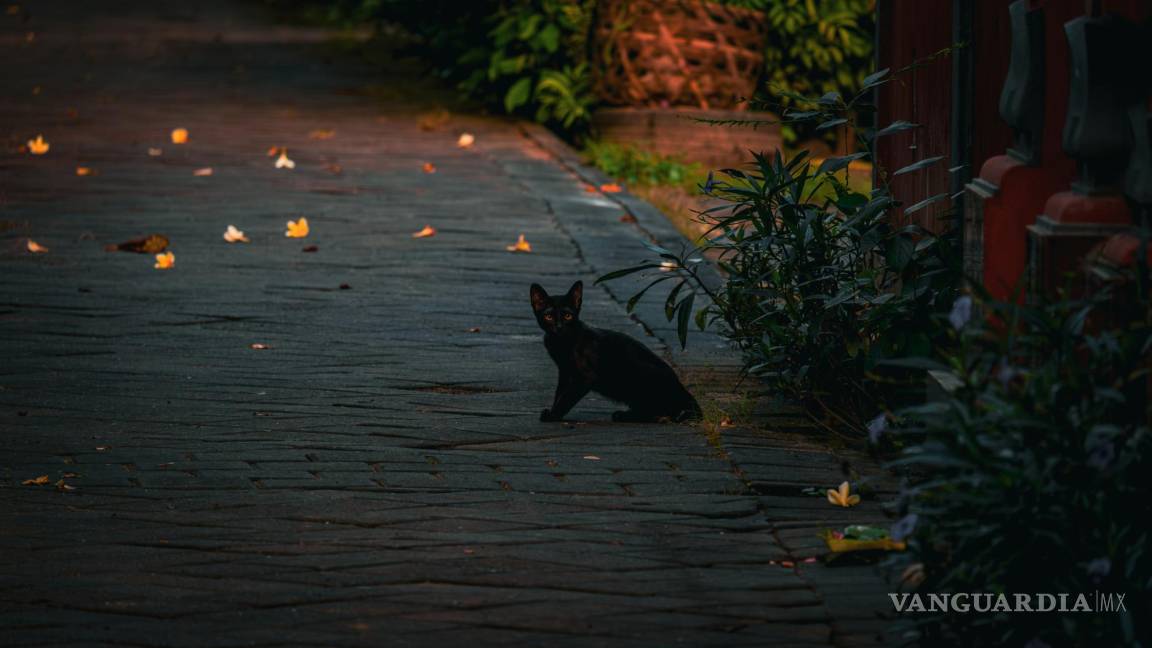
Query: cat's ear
x=576, y=294
x=539, y=298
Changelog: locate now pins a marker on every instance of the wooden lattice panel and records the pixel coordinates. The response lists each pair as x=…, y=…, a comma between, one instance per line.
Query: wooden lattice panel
x=677, y=53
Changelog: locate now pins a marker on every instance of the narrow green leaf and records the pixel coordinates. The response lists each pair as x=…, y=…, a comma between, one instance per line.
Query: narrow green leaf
x=916, y=166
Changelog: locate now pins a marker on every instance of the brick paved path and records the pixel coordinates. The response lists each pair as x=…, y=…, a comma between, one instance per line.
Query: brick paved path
x=378, y=475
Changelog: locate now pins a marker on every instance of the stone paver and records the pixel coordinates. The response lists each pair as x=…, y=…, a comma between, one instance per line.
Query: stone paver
x=377, y=475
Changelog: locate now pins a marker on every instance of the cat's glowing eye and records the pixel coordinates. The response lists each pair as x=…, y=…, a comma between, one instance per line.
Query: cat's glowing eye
x=567, y=316
x=548, y=318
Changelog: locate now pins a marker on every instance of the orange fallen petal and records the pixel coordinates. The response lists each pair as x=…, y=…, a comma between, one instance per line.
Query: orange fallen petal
x=83, y=171
x=35, y=247
x=610, y=188
x=165, y=261
x=466, y=140
x=424, y=233
x=39, y=481
x=180, y=136
x=521, y=245
x=429, y=167
x=273, y=151
x=297, y=229
x=38, y=146
x=200, y=173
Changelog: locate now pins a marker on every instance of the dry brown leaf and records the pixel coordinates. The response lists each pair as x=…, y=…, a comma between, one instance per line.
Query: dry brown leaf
x=151, y=244
x=39, y=481
x=61, y=486
x=35, y=247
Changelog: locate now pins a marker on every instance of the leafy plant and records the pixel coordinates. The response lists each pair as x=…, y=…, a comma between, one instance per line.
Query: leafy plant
x=1032, y=475
x=635, y=166
x=821, y=282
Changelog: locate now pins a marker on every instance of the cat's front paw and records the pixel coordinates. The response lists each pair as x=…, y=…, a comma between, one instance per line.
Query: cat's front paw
x=546, y=415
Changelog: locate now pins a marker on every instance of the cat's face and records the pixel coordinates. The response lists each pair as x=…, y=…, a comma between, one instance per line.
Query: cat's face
x=557, y=314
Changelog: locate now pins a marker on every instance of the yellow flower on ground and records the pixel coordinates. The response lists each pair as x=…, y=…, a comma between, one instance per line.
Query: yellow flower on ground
x=840, y=496
x=165, y=260
x=521, y=245
x=233, y=235
x=297, y=229
x=283, y=162
x=180, y=136
x=38, y=146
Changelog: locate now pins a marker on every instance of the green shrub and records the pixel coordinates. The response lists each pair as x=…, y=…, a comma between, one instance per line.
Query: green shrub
x=821, y=281
x=1033, y=475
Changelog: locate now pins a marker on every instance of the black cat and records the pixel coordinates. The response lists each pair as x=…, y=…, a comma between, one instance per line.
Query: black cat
x=606, y=362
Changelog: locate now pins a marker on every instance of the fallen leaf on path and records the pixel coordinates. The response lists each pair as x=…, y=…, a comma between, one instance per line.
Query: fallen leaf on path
x=474, y=329
x=155, y=152
x=150, y=244
x=35, y=247
x=61, y=486
x=433, y=120
x=627, y=218
x=425, y=233
x=39, y=481
x=311, y=248
x=201, y=173
x=322, y=134
x=841, y=497
x=521, y=245
x=297, y=229
x=466, y=140
x=83, y=171
x=429, y=167
x=283, y=162
x=180, y=136
x=233, y=235
x=38, y=146
x=592, y=457
x=258, y=347
x=165, y=261
x=611, y=187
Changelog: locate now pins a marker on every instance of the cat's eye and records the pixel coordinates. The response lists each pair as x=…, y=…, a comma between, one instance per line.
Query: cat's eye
x=567, y=316
x=548, y=318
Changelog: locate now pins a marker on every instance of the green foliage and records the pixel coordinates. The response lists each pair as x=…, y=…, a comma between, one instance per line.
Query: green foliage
x=637, y=167
x=1032, y=476
x=823, y=282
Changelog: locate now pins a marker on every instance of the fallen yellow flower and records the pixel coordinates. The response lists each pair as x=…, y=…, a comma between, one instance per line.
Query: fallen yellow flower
x=180, y=136
x=35, y=247
x=38, y=146
x=233, y=235
x=521, y=245
x=424, y=233
x=165, y=260
x=297, y=229
x=283, y=162
x=840, y=496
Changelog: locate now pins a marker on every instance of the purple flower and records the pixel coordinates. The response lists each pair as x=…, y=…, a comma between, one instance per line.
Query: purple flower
x=904, y=527
x=1099, y=568
x=961, y=312
x=876, y=428
x=1101, y=455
